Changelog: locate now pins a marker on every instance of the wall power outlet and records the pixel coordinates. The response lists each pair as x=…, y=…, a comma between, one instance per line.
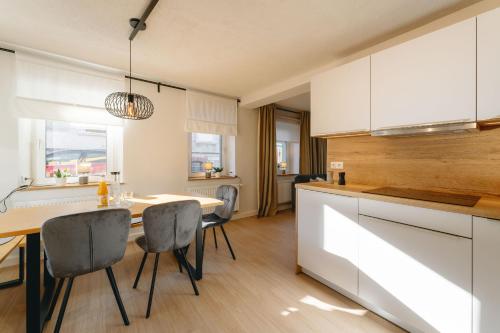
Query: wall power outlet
x=336, y=165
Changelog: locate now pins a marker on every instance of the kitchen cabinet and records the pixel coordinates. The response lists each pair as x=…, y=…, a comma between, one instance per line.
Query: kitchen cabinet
x=340, y=99
x=327, y=237
x=422, y=277
x=488, y=65
x=486, y=275
x=430, y=79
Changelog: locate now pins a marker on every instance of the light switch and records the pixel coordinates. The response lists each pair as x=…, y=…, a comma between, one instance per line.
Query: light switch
x=336, y=165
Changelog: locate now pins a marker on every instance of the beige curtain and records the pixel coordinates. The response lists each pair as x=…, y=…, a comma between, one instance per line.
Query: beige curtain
x=305, y=143
x=318, y=155
x=268, y=194
x=312, y=150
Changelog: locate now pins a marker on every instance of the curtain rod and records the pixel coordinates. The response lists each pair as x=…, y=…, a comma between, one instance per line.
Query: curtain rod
x=159, y=84
x=289, y=110
x=7, y=50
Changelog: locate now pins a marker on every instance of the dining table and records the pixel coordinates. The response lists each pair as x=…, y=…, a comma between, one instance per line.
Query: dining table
x=28, y=222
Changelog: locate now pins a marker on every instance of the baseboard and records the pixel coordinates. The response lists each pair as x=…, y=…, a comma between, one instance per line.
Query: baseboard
x=241, y=215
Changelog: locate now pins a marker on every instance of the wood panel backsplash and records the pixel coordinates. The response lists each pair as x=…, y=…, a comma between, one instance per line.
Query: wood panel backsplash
x=468, y=162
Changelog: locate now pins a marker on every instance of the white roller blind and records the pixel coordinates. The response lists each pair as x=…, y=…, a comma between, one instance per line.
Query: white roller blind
x=53, y=89
x=211, y=114
x=287, y=130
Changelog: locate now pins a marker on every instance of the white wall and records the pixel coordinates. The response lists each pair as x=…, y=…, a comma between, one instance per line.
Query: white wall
x=9, y=167
x=155, y=150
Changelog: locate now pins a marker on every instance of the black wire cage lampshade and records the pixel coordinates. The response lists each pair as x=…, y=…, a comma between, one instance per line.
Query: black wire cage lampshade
x=127, y=105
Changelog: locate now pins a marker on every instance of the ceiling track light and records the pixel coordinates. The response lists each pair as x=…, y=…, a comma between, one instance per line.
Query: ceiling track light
x=128, y=105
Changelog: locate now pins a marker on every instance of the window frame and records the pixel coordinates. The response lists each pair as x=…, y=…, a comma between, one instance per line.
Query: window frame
x=223, y=147
x=34, y=149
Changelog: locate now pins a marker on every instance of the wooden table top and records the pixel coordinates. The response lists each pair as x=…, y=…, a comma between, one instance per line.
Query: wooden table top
x=23, y=221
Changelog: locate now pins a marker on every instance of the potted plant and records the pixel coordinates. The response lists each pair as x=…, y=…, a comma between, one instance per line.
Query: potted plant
x=61, y=176
x=217, y=172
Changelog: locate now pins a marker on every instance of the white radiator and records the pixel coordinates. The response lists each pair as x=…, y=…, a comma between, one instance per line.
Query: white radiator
x=52, y=202
x=209, y=192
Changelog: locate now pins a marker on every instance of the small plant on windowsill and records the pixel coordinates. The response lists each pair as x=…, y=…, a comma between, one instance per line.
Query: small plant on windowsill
x=61, y=176
x=217, y=172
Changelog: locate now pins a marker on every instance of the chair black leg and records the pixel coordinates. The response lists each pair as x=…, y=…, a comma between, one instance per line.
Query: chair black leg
x=203, y=243
x=227, y=241
x=193, y=283
x=116, y=292
x=140, y=270
x=215, y=238
x=54, y=299
x=63, y=305
x=179, y=263
x=151, y=290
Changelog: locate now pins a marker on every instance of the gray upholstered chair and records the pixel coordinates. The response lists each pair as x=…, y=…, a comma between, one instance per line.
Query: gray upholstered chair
x=83, y=243
x=168, y=227
x=222, y=214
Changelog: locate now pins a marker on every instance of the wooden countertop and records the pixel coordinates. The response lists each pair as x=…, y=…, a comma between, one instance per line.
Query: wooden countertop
x=488, y=206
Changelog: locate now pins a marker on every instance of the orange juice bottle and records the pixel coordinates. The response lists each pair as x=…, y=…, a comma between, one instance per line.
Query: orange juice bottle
x=102, y=193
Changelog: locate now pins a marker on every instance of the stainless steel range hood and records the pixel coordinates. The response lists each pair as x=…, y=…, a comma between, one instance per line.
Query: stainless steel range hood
x=428, y=129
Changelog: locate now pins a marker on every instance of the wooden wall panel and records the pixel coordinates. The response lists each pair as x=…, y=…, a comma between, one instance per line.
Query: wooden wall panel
x=468, y=162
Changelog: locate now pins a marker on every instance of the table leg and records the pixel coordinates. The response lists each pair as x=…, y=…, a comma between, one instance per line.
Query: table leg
x=198, y=270
x=199, y=253
x=33, y=324
x=36, y=310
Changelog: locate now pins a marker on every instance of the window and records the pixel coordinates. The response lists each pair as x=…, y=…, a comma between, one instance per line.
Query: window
x=68, y=144
x=281, y=152
x=287, y=145
x=205, y=148
x=218, y=149
x=47, y=145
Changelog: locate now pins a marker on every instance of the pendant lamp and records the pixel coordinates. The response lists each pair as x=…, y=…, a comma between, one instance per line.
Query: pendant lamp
x=128, y=105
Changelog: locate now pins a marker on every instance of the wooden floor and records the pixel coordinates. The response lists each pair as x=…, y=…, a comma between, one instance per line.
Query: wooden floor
x=259, y=292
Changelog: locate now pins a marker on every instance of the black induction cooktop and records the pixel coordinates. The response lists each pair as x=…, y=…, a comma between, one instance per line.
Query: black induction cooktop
x=432, y=196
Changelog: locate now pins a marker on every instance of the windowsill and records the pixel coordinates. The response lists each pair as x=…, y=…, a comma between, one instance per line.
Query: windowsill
x=287, y=174
x=65, y=186
x=213, y=178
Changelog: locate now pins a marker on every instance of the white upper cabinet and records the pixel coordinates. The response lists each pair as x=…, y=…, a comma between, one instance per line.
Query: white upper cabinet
x=488, y=65
x=340, y=99
x=430, y=79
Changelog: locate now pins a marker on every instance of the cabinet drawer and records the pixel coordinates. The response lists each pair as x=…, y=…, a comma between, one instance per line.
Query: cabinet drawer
x=452, y=223
x=422, y=277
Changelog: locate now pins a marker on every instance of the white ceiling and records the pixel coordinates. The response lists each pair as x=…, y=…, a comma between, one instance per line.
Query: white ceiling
x=232, y=47
x=300, y=102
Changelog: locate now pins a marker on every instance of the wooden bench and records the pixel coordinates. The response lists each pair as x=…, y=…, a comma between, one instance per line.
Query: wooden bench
x=5, y=250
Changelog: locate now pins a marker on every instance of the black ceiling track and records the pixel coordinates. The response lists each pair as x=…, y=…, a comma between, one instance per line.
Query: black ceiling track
x=141, y=25
x=7, y=50
x=159, y=84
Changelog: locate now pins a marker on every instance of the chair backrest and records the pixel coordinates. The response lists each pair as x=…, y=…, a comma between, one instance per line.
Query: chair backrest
x=86, y=242
x=171, y=225
x=227, y=194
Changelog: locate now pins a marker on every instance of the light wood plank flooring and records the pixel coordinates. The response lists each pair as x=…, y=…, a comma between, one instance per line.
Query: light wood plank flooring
x=259, y=292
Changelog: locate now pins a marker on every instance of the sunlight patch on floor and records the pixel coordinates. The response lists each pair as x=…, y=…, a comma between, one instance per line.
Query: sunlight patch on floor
x=312, y=301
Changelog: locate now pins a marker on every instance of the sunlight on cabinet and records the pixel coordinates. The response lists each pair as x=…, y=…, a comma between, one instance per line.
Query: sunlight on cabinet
x=335, y=223
x=399, y=275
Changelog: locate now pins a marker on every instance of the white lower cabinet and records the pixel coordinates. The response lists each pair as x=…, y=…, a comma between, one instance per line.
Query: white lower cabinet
x=421, y=277
x=327, y=237
x=486, y=275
